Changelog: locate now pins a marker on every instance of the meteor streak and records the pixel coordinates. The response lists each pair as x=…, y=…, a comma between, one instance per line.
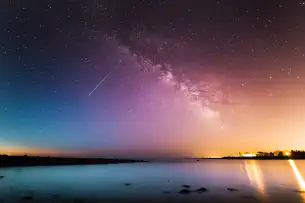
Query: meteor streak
x=99, y=83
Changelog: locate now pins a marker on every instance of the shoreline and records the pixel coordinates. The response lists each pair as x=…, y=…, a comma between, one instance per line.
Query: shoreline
x=251, y=158
x=24, y=161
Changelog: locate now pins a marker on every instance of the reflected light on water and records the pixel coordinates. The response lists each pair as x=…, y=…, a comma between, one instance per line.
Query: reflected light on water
x=255, y=176
x=297, y=175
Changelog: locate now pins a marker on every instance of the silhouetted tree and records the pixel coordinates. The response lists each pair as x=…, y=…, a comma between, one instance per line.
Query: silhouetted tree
x=260, y=154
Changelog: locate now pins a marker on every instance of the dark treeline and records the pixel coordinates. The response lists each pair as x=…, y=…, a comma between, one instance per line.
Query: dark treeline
x=6, y=161
x=293, y=154
x=259, y=157
x=297, y=154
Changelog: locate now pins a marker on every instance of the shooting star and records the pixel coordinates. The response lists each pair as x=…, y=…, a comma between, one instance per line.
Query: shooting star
x=99, y=83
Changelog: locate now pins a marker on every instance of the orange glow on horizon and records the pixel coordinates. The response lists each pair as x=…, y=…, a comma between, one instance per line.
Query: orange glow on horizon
x=20, y=151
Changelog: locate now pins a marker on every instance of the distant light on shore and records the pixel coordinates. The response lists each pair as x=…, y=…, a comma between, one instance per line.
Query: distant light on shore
x=249, y=155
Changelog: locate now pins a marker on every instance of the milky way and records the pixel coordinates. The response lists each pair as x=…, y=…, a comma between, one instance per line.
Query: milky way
x=201, y=93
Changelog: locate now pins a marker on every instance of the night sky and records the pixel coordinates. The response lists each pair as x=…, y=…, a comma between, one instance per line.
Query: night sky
x=151, y=78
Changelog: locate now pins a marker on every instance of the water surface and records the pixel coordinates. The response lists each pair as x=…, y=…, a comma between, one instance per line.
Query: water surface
x=255, y=181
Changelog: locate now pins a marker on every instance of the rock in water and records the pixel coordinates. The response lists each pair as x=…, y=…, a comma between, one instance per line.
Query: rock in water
x=184, y=191
x=27, y=198
x=232, y=189
x=249, y=197
x=186, y=186
x=56, y=196
x=79, y=201
x=203, y=189
x=299, y=191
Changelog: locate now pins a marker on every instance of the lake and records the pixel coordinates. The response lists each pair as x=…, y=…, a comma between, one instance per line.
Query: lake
x=254, y=181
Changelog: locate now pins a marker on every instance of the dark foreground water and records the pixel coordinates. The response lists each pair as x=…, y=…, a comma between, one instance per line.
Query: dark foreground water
x=254, y=181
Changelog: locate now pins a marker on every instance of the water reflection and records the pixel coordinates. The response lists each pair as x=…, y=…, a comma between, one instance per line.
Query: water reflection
x=297, y=175
x=255, y=176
